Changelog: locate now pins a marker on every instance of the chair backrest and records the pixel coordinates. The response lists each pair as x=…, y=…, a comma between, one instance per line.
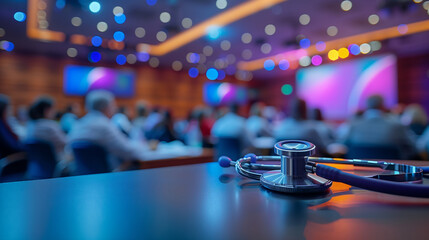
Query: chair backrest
x=42, y=159
x=230, y=147
x=89, y=158
x=373, y=151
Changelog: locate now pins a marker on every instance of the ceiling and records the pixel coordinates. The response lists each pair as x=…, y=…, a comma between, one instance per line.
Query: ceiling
x=284, y=16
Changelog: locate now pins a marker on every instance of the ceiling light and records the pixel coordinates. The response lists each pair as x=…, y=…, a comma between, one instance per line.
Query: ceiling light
x=2, y=32
x=332, y=31
x=76, y=21
x=346, y=5
x=225, y=45
x=177, y=66
x=131, y=58
x=221, y=4
x=165, y=17
x=304, y=19
x=94, y=7
x=102, y=26
x=246, y=54
x=154, y=62
x=270, y=29
x=72, y=52
x=266, y=48
x=140, y=32
x=161, y=36
x=373, y=19
x=118, y=10
x=365, y=48
x=207, y=50
x=246, y=37
x=187, y=22
x=305, y=61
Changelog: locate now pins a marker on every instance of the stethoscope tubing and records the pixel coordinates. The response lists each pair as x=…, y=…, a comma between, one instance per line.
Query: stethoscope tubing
x=403, y=189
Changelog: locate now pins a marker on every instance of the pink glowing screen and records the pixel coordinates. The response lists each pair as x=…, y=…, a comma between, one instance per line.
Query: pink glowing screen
x=341, y=89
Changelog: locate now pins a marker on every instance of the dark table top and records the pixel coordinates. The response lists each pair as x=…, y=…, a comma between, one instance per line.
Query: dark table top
x=201, y=201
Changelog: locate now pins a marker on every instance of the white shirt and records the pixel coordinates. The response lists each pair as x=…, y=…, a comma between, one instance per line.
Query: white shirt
x=48, y=131
x=231, y=126
x=97, y=128
x=258, y=126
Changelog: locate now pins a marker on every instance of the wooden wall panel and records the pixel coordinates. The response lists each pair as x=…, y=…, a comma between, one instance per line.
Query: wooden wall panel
x=24, y=78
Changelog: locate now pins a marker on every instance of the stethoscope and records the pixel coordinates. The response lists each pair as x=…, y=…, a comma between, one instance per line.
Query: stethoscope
x=298, y=173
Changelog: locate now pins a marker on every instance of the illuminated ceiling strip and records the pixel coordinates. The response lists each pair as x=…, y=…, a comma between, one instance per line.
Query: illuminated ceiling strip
x=234, y=14
x=377, y=35
x=32, y=28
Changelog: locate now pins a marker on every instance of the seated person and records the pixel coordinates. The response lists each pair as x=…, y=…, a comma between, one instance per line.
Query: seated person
x=297, y=127
x=256, y=124
x=96, y=127
x=43, y=127
x=375, y=127
x=69, y=118
x=163, y=131
x=9, y=142
x=414, y=116
x=122, y=121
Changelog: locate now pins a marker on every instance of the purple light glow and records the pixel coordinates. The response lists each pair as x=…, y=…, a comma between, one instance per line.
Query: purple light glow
x=316, y=60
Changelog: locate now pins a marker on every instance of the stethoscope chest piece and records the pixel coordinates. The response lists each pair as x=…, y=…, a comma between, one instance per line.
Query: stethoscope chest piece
x=293, y=178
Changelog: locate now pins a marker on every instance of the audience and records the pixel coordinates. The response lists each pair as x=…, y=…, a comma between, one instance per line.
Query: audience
x=42, y=126
x=298, y=127
x=256, y=124
x=376, y=128
x=122, y=121
x=9, y=142
x=69, y=117
x=138, y=124
x=164, y=130
x=414, y=116
x=325, y=131
x=96, y=127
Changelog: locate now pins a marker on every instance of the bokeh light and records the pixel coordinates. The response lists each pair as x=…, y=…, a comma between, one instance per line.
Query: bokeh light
x=221, y=75
x=270, y=29
x=284, y=64
x=154, y=62
x=119, y=36
x=120, y=19
x=76, y=21
x=373, y=19
x=402, y=28
x=375, y=45
x=7, y=46
x=213, y=32
x=354, y=49
x=332, y=31
x=20, y=16
x=96, y=41
x=165, y=17
x=305, y=61
x=131, y=58
x=316, y=60
x=246, y=54
x=72, y=52
x=94, y=7
x=143, y=56
x=2, y=32
x=343, y=53
x=304, y=43
x=212, y=74
x=140, y=32
x=208, y=50
x=121, y=59
x=304, y=19
x=177, y=65
x=186, y=23
x=151, y=2
x=266, y=48
x=269, y=65
x=94, y=57
x=246, y=38
x=161, y=36
x=102, y=26
x=287, y=89
x=365, y=48
x=221, y=4
x=346, y=5
x=118, y=10
x=225, y=45
x=333, y=55
x=320, y=46
x=193, y=72
x=193, y=57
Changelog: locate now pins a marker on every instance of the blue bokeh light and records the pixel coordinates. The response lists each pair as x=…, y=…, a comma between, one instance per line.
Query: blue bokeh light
x=354, y=49
x=60, y=4
x=119, y=36
x=151, y=2
x=193, y=72
x=120, y=18
x=94, y=7
x=269, y=65
x=221, y=75
x=305, y=43
x=213, y=32
x=96, y=41
x=20, y=16
x=194, y=58
x=284, y=64
x=94, y=57
x=121, y=59
x=143, y=56
x=7, y=46
x=212, y=74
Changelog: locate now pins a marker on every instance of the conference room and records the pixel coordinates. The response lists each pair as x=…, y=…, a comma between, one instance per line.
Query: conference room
x=197, y=119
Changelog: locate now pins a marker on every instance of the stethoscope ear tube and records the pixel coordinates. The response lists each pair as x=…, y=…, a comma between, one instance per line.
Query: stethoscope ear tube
x=404, y=189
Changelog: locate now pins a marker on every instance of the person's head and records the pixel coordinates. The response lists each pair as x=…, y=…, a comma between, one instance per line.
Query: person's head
x=315, y=114
x=256, y=109
x=42, y=108
x=298, y=109
x=102, y=101
x=375, y=102
x=4, y=105
x=414, y=114
x=233, y=108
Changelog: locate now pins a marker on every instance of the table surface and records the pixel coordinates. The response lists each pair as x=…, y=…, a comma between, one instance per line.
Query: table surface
x=201, y=201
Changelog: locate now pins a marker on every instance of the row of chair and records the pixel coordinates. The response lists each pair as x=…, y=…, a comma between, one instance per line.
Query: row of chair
x=40, y=161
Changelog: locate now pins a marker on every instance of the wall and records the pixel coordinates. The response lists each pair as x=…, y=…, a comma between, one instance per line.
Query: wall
x=23, y=78
x=413, y=83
